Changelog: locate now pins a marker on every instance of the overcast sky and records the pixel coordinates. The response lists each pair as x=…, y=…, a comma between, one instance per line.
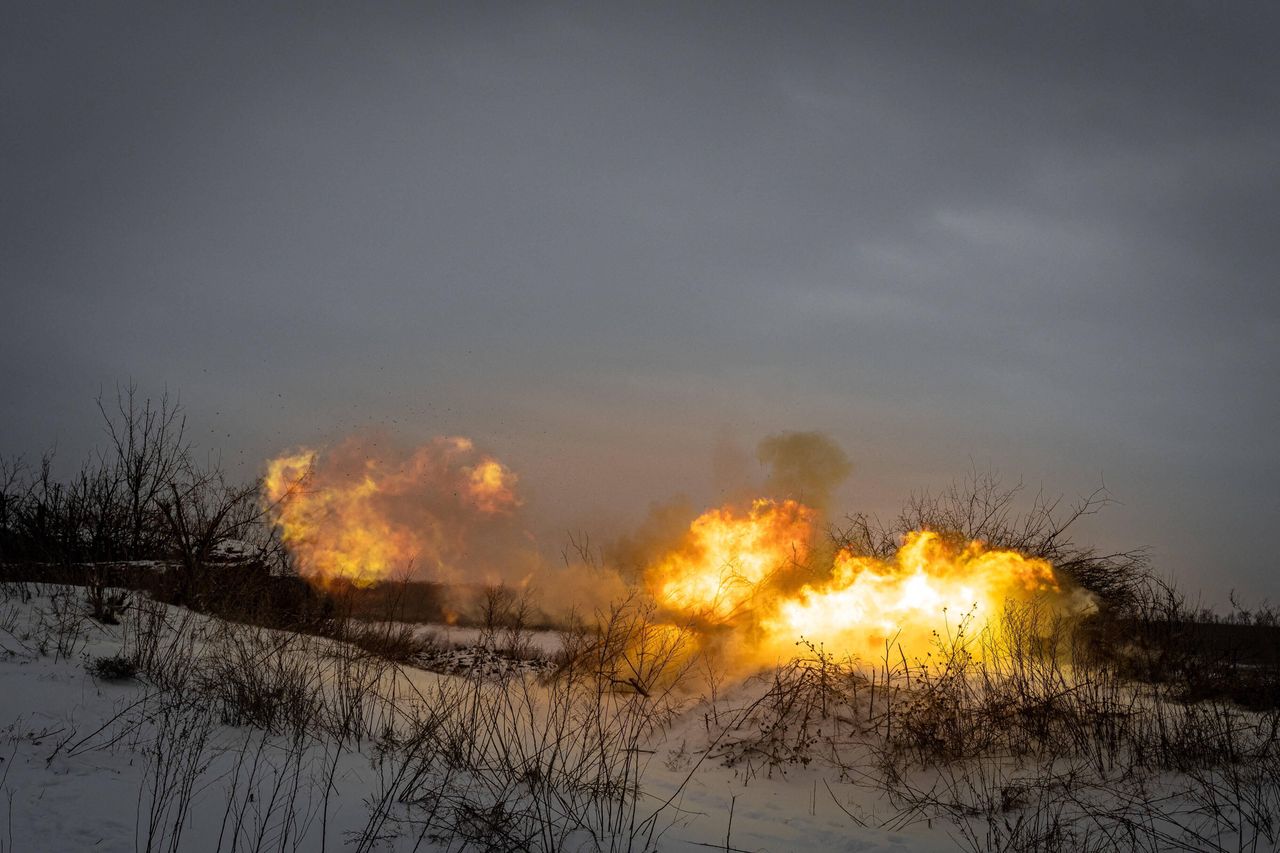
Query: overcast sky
x=606, y=241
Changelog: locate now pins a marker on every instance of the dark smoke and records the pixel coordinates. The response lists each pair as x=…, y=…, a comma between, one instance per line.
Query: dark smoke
x=805, y=466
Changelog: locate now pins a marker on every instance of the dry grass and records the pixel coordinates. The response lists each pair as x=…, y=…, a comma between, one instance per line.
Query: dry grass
x=1025, y=739
x=518, y=763
x=1042, y=734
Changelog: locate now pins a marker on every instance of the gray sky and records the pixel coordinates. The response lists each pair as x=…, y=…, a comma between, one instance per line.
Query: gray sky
x=603, y=240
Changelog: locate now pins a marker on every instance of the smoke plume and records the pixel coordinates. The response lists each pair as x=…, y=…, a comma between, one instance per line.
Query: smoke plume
x=803, y=466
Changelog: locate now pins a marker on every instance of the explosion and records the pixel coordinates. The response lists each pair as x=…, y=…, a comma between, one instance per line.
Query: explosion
x=349, y=515
x=931, y=590
x=741, y=571
x=358, y=514
x=727, y=559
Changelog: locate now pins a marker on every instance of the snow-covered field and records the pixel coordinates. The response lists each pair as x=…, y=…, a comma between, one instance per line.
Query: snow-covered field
x=94, y=764
x=233, y=737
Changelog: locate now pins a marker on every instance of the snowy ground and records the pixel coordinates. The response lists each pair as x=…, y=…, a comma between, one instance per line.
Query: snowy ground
x=88, y=764
x=238, y=738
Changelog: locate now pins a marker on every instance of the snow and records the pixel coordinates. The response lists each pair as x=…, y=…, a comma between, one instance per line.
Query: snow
x=206, y=752
x=87, y=764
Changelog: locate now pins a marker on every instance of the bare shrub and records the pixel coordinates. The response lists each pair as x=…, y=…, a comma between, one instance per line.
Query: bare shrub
x=265, y=809
x=980, y=507
x=176, y=759
x=256, y=677
x=504, y=620
x=112, y=668
x=629, y=648
x=201, y=511
x=390, y=641
x=787, y=724
x=164, y=643
x=149, y=441
x=61, y=626
x=105, y=603
x=1023, y=737
x=517, y=764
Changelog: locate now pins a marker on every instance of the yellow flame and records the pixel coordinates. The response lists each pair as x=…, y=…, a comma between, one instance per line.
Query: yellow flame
x=743, y=571
x=726, y=558
x=930, y=591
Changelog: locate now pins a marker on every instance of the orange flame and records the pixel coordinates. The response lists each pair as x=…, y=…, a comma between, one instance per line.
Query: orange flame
x=346, y=515
x=744, y=571
x=491, y=486
x=755, y=576
x=727, y=558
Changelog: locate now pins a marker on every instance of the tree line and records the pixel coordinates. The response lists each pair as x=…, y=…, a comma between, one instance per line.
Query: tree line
x=145, y=496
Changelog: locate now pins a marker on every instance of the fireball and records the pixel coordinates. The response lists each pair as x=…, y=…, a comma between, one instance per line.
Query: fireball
x=743, y=571
x=931, y=592
x=350, y=514
x=727, y=559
